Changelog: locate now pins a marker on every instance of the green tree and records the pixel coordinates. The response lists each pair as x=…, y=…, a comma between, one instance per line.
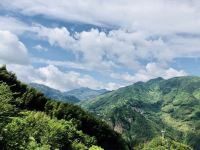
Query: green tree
x=95, y=148
x=36, y=129
x=159, y=143
x=6, y=99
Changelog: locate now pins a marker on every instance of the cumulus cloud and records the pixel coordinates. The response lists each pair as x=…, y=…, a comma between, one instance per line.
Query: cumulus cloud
x=152, y=70
x=120, y=48
x=102, y=50
x=53, y=77
x=99, y=49
x=144, y=38
x=12, y=50
x=56, y=36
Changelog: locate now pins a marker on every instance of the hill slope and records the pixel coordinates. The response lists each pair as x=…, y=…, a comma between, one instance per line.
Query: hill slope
x=46, y=124
x=140, y=111
x=55, y=94
x=85, y=93
x=159, y=143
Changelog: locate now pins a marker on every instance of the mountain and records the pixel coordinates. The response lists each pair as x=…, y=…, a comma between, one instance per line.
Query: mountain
x=29, y=120
x=85, y=93
x=72, y=96
x=54, y=94
x=141, y=111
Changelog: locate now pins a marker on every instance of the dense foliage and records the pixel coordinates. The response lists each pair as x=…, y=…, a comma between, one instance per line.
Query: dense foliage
x=160, y=143
x=37, y=130
x=140, y=111
x=31, y=121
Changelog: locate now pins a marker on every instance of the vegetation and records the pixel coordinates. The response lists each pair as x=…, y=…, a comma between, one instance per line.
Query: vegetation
x=140, y=111
x=37, y=130
x=159, y=143
x=31, y=121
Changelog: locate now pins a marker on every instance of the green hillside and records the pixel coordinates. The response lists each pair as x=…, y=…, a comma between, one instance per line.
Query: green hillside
x=159, y=143
x=30, y=121
x=140, y=111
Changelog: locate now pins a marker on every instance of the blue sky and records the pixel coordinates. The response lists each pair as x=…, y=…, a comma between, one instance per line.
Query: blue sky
x=99, y=43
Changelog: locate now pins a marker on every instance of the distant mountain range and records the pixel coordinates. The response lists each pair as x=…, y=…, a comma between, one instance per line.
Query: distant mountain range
x=55, y=94
x=141, y=111
x=85, y=93
x=73, y=96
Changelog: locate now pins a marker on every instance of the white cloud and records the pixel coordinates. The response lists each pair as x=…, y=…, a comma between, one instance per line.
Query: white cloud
x=158, y=16
x=100, y=51
x=171, y=72
x=12, y=50
x=25, y=73
x=152, y=70
x=66, y=64
x=40, y=48
x=150, y=34
x=120, y=48
x=56, y=36
x=13, y=25
x=53, y=77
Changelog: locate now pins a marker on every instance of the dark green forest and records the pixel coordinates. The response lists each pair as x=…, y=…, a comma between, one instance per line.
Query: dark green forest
x=29, y=121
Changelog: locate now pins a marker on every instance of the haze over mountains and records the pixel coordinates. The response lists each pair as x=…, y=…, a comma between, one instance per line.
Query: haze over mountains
x=72, y=96
x=54, y=94
x=85, y=93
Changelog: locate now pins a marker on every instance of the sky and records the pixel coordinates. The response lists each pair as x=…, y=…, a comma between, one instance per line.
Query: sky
x=109, y=44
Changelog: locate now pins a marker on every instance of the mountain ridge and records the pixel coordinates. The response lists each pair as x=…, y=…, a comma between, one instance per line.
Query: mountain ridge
x=84, y=93
x=54, y=93
x=73, y=96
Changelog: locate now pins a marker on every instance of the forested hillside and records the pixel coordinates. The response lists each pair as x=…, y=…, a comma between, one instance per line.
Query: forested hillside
x=141, y=111
x=31, y=121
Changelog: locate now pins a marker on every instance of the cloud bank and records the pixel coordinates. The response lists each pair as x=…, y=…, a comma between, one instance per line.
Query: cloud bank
x=143, y=40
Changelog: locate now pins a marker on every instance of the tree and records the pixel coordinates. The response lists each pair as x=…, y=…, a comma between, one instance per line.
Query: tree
x=37, y=130
x=159, y=143
x=95, y=148
x=6, y=98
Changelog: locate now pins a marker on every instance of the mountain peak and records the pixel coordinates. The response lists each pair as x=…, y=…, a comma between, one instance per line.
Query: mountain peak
x=54, y=94
x=158, y=79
